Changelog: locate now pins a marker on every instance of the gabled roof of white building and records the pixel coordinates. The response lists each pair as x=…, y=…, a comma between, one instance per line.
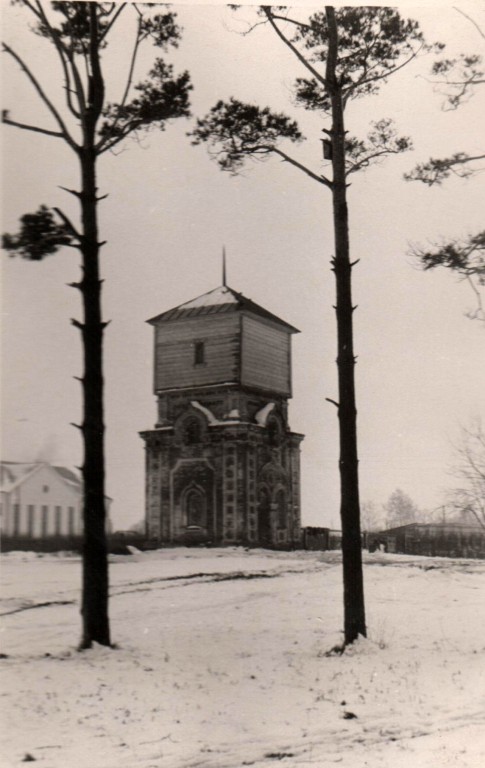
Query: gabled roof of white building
x=219, y=300
x=68, y=476
x=14, y=473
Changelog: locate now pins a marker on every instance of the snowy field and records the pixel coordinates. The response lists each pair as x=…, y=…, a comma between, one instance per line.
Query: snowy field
x=221, y=662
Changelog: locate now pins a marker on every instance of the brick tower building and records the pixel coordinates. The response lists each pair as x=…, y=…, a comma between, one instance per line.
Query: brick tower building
x=222, y=465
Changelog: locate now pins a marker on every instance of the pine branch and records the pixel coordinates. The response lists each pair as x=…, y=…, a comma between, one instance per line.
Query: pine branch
x=64, y=132
x=68, y=223
x=436, y=170
x=103, y=144
x=129, y=79
x=33, y=7
x=112, y=22
x=365, y=80
x=472, y=21
x=466, y=258
x=62, y=53
x=299, y=24
x=459, y=89
x=293, y=48
x=71, y=191
x=78, y=83
x=365, y=162
x=479, y=312
x=471, y=81
x=26, y=127
x=311, y=174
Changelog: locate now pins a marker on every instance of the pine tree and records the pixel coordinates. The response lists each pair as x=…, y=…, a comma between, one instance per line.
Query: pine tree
x=347, y=53
x=90, y=126
x=457, y=79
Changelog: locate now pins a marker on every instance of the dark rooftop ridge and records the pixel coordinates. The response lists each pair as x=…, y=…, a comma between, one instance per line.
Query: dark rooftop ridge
x=219, y=300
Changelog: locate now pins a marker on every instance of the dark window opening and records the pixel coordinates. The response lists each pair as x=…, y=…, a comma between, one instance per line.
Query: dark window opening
x=192, y=432
x=281, y=509
x=45, y=520
x=264, y=516
x=274, y=433
x=199, y=353
x=58, y=521
x=30, y=519
x=16, y=519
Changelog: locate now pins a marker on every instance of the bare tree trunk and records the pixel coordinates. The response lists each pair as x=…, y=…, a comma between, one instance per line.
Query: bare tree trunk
x=95, y=557
x=354, y=610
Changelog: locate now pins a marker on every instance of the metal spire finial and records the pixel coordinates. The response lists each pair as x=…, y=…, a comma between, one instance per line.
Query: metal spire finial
x=224, y=283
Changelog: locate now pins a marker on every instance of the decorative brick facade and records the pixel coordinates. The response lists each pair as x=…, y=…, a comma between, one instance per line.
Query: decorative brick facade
x=222, y=465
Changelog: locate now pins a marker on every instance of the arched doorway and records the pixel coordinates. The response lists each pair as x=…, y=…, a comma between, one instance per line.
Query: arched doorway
x=195, y=508
x=264, y=517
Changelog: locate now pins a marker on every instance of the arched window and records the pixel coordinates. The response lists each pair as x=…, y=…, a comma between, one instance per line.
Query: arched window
x=264, y=517
x=192, y=431
x=274, y=431
x=281, y=509
x=195, y=508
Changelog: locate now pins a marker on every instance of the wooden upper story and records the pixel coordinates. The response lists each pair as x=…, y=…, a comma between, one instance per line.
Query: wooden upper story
x=222, y=338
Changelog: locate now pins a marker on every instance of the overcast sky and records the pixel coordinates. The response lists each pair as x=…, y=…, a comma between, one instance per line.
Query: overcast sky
x=420, y=371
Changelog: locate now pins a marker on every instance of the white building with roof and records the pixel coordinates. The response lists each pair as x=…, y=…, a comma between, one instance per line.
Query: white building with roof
x=40, y=501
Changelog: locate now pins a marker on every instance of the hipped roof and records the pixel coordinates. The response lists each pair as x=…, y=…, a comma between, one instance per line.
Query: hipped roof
x=219, y=300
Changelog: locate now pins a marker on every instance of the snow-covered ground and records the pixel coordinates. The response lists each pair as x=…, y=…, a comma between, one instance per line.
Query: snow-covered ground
x=221, y=662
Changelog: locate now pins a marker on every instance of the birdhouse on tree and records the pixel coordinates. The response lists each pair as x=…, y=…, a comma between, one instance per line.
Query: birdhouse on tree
x=327, y=149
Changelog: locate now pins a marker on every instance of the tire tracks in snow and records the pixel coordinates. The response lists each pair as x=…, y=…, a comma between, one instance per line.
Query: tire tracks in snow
x=31, y=606
x=148, y=585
